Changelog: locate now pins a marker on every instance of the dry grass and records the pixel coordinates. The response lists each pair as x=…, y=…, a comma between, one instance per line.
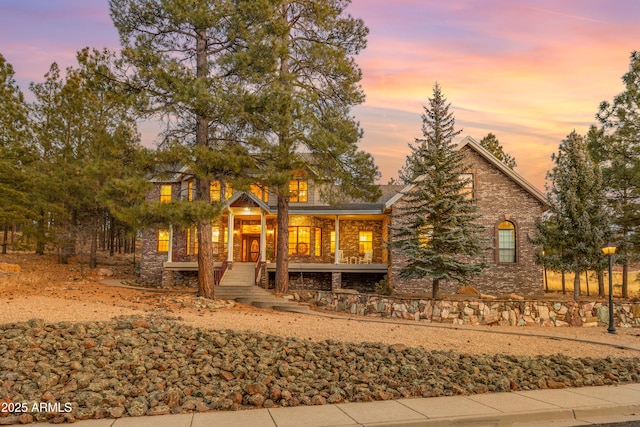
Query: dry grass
x=555, y=283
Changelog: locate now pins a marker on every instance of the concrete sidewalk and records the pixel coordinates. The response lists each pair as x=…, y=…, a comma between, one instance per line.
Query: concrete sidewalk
x=561, y=407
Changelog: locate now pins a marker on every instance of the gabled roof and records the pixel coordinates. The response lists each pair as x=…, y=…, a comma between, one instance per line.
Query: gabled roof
x=515, y=176
x=510, y=173
x=247, y=195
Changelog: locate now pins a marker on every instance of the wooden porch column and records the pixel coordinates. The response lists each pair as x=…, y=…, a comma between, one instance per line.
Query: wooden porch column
x=263, y=237
x=336, y=256
x=230, y=237
x=170, y=248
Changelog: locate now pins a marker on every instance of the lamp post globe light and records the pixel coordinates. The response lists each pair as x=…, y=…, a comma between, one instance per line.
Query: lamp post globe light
x=609, y=249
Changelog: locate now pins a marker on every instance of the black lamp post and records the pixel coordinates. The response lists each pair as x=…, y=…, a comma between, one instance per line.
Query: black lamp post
x=609, y=249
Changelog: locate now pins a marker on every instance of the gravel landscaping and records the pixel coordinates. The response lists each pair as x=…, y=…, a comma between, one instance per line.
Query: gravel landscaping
x=149, y=365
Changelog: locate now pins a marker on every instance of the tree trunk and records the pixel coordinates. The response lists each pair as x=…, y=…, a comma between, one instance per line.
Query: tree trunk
x=435, y=288
x=5, y=238
x=282, y=248
x=625, y=280
x=112, y=236
x=68, y=240
x=205, y=245
x=93, y=254
x=576, y=285
x=205, y=260
x=586, y=279
x=564, y=284
x=40, y=234
x=601, y=284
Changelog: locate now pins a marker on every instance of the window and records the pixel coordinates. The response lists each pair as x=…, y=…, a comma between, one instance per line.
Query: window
x=425, y=234
x=165, y=193
x=467, y=190
x=299, y=191
x=332, y=238
x=317, y=241
x=163, y=240
x=215, y=191
x=192, y=241
x=506, y=242
x=215, y=238
x=190, y=191
x=299, y=240
x=365, y=240
x=260, y=191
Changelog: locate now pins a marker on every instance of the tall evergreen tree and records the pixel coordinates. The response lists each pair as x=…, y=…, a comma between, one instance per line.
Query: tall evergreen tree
x=616, y=147
x=302, y=108
x=87, y=138
x=16, y=154
x=578, y=205
x=436, y=230
x=491, y=143
x=182, y=57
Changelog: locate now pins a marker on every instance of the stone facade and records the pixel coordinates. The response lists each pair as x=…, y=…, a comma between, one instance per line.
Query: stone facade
x=499, y=198
x=506, y=312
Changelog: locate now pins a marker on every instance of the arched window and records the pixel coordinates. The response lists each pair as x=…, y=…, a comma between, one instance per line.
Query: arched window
x=506, y=242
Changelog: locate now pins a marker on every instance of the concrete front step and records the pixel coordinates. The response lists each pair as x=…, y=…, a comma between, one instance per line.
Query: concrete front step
x=258, y=297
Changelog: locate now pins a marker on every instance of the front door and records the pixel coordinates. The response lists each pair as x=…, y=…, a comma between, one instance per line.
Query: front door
x=252, y=248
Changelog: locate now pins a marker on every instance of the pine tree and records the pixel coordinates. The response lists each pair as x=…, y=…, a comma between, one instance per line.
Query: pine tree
x=435, y=231
x=301, y=111
x=577, y=203
x=87, y=137
x=491, y=143
x=182, y=54
x=616, y=147
x=16, y=155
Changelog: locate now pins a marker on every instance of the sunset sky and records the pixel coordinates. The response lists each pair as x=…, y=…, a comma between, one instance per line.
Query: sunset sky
x=529, y=71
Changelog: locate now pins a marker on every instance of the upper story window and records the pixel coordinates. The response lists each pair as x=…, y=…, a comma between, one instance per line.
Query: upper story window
x=260, y=191
x=217, y=194
x=190, y=191
x=299, y=190
x=165, y=193
x=506, y=242
x=467, y=190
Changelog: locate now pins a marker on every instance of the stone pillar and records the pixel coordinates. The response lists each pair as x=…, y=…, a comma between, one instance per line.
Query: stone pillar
x=336, y=279
x=170, y=249
x=230, y=237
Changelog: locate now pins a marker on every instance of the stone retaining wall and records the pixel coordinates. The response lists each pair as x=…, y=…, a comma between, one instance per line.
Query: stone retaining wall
x=476, y=312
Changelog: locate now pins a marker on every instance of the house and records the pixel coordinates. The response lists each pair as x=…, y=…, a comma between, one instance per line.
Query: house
x=344, y=246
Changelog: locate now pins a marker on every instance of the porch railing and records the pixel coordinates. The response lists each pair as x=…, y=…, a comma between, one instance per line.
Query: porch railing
x=218, y=272
x=259, y=266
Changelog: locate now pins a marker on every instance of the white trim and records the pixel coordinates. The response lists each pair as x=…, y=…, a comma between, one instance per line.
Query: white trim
x=230, y=236
x=337, y=245
x=170, y=246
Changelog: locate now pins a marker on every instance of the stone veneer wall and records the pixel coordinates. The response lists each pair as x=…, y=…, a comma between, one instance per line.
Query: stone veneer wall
x=476, y=312
x=499, y=198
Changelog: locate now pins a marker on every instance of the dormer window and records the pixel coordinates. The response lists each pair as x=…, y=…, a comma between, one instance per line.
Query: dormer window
x=216, y=194
x=299, y=191
x=165, y=193
x=467, y=189
x=260, y=191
